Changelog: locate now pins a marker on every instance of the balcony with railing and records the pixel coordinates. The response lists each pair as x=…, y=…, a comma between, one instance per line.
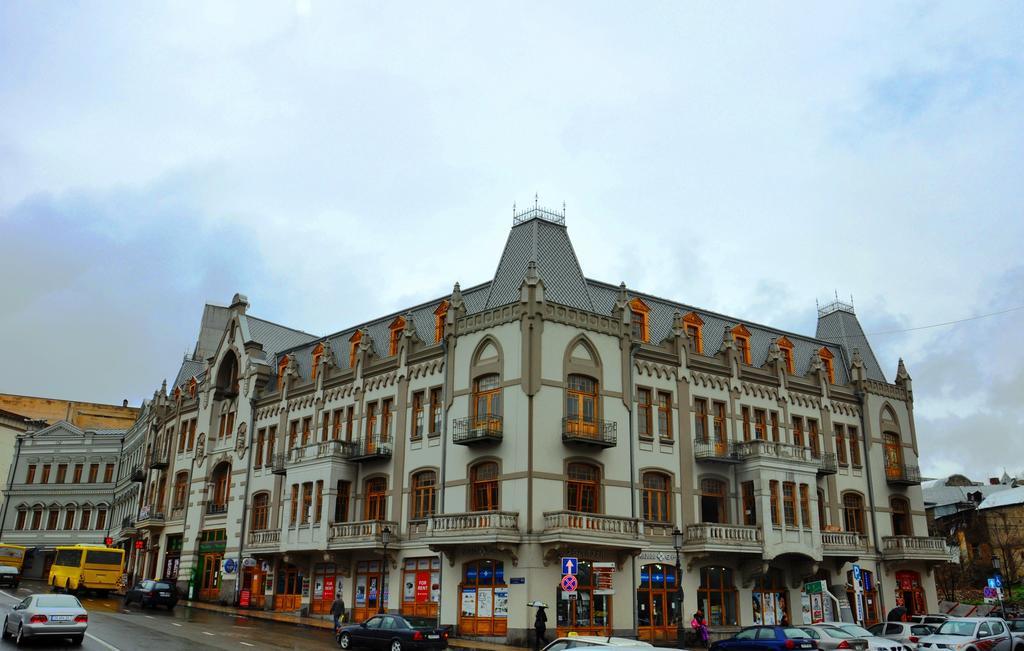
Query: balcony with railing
x=826, y=463
x=707, y=449
x=365, y=534
x=474, y=526
x=332, y=449
x=374, y=448
x=477, y=429
x=718, y=537
x=909, y=548
x=138, y=475
x=150, y=518
x=843, y=543
x=277, y=464
x=774, y=450
x=128, y=527
x=159, y=459
x=212, y=508
x=592, y=528
x=902, y=474
x=266, y=539
x=591, y=432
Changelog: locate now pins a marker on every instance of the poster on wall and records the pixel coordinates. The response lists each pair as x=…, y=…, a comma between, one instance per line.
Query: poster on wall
x=501, y=602
x=361, y=590
x=329, y=588
x=435, y=587
x=769, y=608
x=484, y=603
x=318, y=588
x=422, y=587
x=758, y=609
x=469, y=602
x=805, y=608
x=409, y=589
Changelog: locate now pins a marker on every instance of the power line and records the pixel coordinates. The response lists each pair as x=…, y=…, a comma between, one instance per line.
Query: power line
x=939, y=325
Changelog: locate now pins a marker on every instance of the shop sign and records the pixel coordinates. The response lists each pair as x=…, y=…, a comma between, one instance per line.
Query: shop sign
x=422, y=587
x=244, y=599
x=213, y=546
x=329, y=588
x=517, y=580
x=603, y=575
x=305, y=586
x=249, y=562
x=230, y=565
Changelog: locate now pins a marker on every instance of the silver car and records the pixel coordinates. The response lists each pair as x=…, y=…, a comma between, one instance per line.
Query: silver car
x=874, y=642
x=830, y=638
x=47, y=615
x=969, y=634
x=909, y=633
x=1017, y=631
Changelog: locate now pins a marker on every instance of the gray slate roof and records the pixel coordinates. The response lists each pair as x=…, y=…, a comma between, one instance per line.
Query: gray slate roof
x=190, y=368
x=842, y=328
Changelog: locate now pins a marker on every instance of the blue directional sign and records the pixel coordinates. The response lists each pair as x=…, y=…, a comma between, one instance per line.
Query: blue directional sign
x=992, y=584
x=998, y=580
x=569, y=565
x=856, y=572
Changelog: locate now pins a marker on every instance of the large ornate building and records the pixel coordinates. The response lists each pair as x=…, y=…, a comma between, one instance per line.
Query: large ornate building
x=443, y=459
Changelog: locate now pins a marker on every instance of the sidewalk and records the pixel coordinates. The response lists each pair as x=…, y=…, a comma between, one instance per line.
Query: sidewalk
x=325, y=622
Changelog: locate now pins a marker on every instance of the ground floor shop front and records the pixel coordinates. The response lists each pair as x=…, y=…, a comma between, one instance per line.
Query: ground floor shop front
x=484, y=591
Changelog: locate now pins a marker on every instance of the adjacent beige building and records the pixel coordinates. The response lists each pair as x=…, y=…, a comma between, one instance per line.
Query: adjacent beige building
x=444, y=460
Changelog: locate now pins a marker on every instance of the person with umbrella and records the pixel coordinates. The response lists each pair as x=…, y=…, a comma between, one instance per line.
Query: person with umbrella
x=540, y=624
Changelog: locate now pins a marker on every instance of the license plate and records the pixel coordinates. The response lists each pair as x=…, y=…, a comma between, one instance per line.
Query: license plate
x=433, y=637
x=165, y=594
x=806, y=646
x=61, y=618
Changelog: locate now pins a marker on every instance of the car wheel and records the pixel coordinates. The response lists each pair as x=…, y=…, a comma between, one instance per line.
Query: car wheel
x=396, y=645
x=6, y=634
x=77, y=640
x=344, y=641
x=20, y=639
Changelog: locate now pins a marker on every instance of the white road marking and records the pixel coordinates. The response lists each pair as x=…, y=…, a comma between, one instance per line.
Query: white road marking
x=245, y=643
x=24, y=590
x=96, y=639
x=9, y=596
x=149, y=617
x=177, y=624
x=209, y=633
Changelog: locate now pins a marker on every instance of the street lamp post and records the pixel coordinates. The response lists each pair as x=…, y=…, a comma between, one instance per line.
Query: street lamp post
x=677, y=542
x=385, y=538
x=996, y=564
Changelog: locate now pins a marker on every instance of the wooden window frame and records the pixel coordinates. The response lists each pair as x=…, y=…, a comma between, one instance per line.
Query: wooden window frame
x=805, y=506
x=342, y=500
x=375, y=499
x=717, y=490
x=701, y=433
x=94, y=472
x=44, y=477
x=397, y=327
x=839, y=432
x=316, y=355
x=665, y=416
x=789, y=513
x=422, y=503
x=30, y=474
x=720, y=430
x=813, y=438
x=108, y=473
x=644, y=419
x=786, y=348
x=440, y=315
x=318, y=507
x=306, y=507
x=741, y=337
x=282, y=364
x=353, y=348
x=749, y=504
x=180, y=497
x=257, y=457
x=488, y=398
x=307, y=430
x=760, y=424
x=828, y=359
x=434, y=424
x=416, y=424
x=853, y=514
x=271, y=443
x=822, y=510
x=639, y=319
x=260, y=511
x=694, y=328
x=581, y=491
x=773, y=422
x=386, y=418
x=773, y=487
x=904, y=511
x=853, y=438
x=745, y=416
x=293, y=515
x=487, y=488
x=656, y=499
x=798, y=431
x=62, y=473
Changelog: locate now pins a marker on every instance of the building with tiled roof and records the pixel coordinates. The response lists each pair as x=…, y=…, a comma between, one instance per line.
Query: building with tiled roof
x=442, y=460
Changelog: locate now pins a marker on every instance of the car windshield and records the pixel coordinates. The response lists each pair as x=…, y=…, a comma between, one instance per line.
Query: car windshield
x=7, y=569
x=57, y=601
x=421, y=622
x=838, y=632
x=794, y=632
x=855, y=630
x=965, y=629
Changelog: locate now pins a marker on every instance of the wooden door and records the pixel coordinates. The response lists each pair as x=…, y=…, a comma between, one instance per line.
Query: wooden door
x=209, y=585
x=289, y=589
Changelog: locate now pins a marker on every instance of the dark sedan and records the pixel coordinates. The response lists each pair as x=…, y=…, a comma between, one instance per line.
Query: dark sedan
x=394, y=633
x=149, y=594
x=767, y=638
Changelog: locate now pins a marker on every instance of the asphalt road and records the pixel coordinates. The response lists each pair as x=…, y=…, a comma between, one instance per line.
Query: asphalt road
x=112, y=627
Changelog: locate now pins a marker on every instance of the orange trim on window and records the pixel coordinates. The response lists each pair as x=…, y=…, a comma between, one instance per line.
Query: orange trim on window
x=397, y=327
x=353, y=344
x=318, y=352
x=741, y=337
x=640, y=319
x=192, y=384
x=827, y=359
x=694, y=327
x=281, y=366
x=440, y=314
x=786, y=347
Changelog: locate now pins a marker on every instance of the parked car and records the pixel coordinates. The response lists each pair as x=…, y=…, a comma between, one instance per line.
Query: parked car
x=9, y=576
x=562, y=643
x=830, y=637
x=47, y=616
x=969, y=634
x=909, y=633
x=874, y=642
x=394, y=633
x=149, y=594
x=766, y=638
x=1016, y=627
x=932, y=619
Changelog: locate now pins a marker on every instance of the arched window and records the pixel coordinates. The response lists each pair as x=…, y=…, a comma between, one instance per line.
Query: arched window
x=657, y=487
x=376, y=498
x=487, y=402
x=786, y=349
x=260, y=511
x=52, y=517
x=180, y=491
x=712, y=501
x=22, y=515
x=440, y=314
x=893, y=451
x=221, y=488
x=583, y=488
x=639, y=320
x=695, y=332
x=397, y=327
x=227, y=375
x=424, y=484
x=853, y=513
x=716, y=597
x=827, y=360
x=484, y=490
x=900, y=516
x=581, y=405
x=741, y=338
x=769, y=598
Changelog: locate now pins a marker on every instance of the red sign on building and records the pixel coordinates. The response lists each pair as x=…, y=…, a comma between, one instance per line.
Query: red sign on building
x=328, y=588
x=244, y=599
x=422, y=587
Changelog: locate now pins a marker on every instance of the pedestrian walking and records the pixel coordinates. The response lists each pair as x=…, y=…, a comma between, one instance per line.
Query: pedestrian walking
x=700, y=628
x=338, y=611
x=540, y=625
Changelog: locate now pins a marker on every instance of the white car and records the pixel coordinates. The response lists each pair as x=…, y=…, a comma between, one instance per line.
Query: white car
x=47, y=616
x=874, y=642
x=969, y=634
x=576, y=641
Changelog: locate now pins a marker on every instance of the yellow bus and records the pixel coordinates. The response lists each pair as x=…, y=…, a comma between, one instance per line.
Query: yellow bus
x=12, y=555
x=87, y=567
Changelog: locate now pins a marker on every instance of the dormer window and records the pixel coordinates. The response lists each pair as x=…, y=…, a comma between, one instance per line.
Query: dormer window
x=317, y=354
x=397, y=327
x=741, y=337
x=694, y=326
x=177, y=394
x=440, y=314
x=786, y=348
x=827, y=359
x=353, y=347
x=192, y=386
x=639, y=320
x=281, y=366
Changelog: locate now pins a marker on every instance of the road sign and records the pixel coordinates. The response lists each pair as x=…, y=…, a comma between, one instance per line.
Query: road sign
x=569, y=565
x=856, y=572
x=990, y=593
x=569, y=583
x=815, y=587
x=998, y=579
x=991, y=584
x=230, y=565
x=604, y=574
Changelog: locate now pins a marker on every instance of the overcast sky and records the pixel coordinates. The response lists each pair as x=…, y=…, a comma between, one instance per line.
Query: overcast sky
x=336, y=161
